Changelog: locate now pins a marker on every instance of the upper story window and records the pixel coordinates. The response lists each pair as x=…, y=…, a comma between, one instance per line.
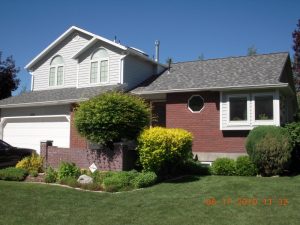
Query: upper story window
x=56, y=74
x=99, y=66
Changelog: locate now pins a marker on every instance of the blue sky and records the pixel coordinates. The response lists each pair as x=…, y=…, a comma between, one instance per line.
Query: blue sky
x=186, y=29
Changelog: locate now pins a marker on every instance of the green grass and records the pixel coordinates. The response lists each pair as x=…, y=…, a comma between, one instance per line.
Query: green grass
x=178, y=202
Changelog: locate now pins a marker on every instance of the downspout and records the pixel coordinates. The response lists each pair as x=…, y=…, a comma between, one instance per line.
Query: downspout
x=121, y=80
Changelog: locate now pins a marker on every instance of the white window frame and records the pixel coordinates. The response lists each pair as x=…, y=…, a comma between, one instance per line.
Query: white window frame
x=55, y=73
x=188, y=106
x=264, y=122
x=240, y=122
x=98, y=61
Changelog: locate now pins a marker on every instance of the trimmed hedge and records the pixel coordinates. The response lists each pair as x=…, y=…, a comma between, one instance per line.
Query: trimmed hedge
x=161, y=149
x=144, y=179
x=13, y=174
x=269, y=148
x=223, y=166
x=112, y=116
x=245, y=167
x=120, y=181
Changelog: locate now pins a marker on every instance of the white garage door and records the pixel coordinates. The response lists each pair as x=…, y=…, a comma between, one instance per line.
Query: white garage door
x=28, y=132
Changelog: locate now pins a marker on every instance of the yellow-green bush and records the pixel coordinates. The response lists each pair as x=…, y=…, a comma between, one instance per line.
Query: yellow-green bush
x=33, y=163
x=161, y=149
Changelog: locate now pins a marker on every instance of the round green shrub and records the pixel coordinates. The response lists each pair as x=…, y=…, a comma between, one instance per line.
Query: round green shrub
x=144, y=179
x=67, y=169
x=160, y=148
x=223, y=166
x=245, y=167
x=269, y=148
x=111, y=117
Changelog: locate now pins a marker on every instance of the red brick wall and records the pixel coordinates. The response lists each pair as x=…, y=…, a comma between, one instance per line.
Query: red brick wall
x=205, y=126
x=119, y=158
x=76, y=141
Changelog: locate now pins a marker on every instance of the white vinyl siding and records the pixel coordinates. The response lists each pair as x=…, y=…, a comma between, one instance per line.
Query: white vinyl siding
x=136, y=70
x=227, y=124
x=67, y=48
x=110, y=70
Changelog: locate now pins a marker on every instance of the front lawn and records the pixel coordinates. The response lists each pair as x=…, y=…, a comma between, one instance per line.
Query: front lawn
x=184, y=201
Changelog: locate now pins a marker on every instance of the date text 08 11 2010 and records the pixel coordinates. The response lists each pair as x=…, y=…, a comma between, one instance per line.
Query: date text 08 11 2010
x=269, y=201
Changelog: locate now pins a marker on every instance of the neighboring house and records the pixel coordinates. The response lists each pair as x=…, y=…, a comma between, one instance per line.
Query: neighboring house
x=76, y=66
x=218, y=100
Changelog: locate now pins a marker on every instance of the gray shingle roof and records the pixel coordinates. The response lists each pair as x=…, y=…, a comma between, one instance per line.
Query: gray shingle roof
x=64, y=94
x=219, y=73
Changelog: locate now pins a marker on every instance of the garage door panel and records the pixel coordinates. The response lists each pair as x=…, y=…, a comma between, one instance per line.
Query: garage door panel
x=29, y=132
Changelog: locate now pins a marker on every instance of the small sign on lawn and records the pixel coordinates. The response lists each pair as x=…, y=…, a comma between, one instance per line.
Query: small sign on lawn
x=93, y=168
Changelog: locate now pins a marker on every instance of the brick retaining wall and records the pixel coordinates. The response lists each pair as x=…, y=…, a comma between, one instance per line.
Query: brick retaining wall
x=120, y=158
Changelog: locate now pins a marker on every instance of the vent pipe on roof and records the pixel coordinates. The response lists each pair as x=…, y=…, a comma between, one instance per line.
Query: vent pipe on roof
x=157, y=50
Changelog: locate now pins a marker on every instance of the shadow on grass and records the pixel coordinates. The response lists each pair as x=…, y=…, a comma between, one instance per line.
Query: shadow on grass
x=183, y=179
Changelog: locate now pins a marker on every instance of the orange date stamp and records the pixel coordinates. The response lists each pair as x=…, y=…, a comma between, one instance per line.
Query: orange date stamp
x=244, y=201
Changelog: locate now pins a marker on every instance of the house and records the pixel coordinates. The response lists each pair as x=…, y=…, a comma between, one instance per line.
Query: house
x=76, y=66
x=221, y=100
x=218, y=100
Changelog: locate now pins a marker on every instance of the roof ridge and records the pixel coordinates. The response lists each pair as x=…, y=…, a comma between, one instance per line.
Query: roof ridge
x=232, y=57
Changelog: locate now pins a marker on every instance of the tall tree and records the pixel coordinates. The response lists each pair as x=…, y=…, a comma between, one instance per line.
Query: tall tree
x=8, y=76
x=296, y=63
x=251, y=50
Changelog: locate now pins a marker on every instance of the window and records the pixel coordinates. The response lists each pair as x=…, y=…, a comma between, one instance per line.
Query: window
x=195, y=103
x=263, y=107
x=244, y=111
x=238, y=108
x=56, y=74
x=99, y=66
